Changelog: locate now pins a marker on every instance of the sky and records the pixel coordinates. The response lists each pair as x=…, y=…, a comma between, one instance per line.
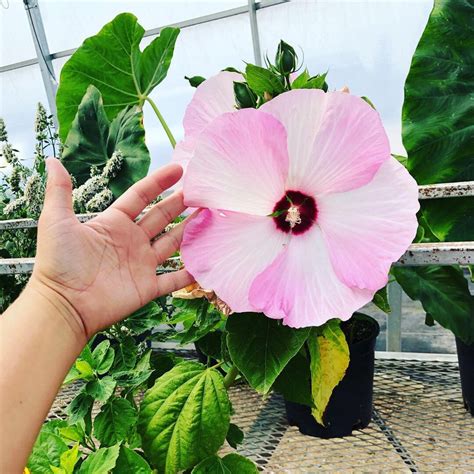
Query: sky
x=364, y=44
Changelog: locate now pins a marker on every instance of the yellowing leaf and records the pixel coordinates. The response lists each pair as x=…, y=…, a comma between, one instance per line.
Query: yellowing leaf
x=329, y=361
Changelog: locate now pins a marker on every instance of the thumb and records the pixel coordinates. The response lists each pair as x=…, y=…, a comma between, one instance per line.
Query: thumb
x=58, y=196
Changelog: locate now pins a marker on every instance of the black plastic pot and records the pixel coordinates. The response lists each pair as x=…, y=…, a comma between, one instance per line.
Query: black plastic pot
x=466, y=369
x=350, y=407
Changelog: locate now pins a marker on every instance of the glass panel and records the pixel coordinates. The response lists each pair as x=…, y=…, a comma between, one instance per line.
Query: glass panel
x=201, y=50
x=68, y=23
x=21, y=90
x=15, y=38
x=366, y=45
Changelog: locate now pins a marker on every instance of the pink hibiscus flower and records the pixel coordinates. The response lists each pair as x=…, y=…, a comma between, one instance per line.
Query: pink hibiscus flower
x=304, y=208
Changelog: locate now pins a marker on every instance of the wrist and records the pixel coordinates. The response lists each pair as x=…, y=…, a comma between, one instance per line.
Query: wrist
x=57, y=307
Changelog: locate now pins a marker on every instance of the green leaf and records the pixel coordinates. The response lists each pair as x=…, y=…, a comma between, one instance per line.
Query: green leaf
x=129, y=462
x=235, y=436
x=80, y=407
x=444, y=294
x=437, y=115
x=452, y=219
x=103, y=357
x=261, y=347
x=69, y=459
x=380, y=300
x=211, y=344
x=47, y=452
x=294, y=382
x=130, y=379
x=316, y=82
x=366, y=99
x=86, y=354
x=262, y=80
x=301, y=80
x=144, y=363
x=85, y=371
x=73, y=433
x=114, y=421
x=101, y=389
x=232, y=463
x=329, y=361
x=195, y=81
x=184, y=417
x=146, y=318
x=207, y=319
x=101, y=461
x=92, y=140
x=112, y=61
x=125, y=354
x=238, y=464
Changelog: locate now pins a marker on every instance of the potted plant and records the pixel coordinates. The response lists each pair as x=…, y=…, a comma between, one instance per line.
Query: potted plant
x=315, y=349
x=437, y=135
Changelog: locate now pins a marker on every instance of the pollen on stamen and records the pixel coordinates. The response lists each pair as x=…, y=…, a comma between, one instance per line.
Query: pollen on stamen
x=293, y=216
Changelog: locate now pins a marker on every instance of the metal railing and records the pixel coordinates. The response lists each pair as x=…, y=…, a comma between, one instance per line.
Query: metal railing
x=438, y=253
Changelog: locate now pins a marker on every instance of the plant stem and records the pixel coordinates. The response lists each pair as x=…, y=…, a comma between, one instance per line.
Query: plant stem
x=162, y=121
x=231, y=376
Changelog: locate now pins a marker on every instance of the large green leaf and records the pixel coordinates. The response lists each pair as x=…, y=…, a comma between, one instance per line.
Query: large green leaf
x=444, y=294
x=184, y=417
x=438, y=112
x=232, y=463
x=261, y=347
x=112, y=61
x=114, y=421
x=92, y=140
x=329, y=354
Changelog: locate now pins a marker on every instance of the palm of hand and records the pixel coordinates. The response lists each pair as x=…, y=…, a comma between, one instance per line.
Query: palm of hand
x=105, y=269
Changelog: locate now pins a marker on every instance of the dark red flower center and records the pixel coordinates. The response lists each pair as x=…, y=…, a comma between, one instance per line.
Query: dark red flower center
x=295, y=212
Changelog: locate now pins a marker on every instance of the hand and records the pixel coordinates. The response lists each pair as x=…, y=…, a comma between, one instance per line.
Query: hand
x=103, y=270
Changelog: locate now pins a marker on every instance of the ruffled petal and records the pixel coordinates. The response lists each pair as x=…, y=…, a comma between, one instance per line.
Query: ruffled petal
x=214, y=97
x=225, y=251
x=369, y=228
x=301, y=287
x=240, y=164
x=336, y=141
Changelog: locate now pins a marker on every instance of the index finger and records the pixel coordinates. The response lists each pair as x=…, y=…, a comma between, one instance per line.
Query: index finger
x=145, y=191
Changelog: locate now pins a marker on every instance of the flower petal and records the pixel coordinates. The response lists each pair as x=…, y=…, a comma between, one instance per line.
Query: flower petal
x=301, y=288
x=225, y=251
x=183, y=152
x=336, y=141
x=240, y=164
x=214, y=97
x=369, y=228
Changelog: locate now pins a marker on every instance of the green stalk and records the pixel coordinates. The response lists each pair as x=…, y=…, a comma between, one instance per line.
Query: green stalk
x=231, y=376
x=162, y=121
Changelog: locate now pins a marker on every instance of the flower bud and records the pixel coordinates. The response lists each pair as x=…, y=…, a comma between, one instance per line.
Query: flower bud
x=244, y=96
x=286, y=58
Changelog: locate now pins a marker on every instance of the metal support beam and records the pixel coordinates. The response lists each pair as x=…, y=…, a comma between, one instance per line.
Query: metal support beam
x=42, y=51
x=254, y=30
x=394, y=319
x=155, y=31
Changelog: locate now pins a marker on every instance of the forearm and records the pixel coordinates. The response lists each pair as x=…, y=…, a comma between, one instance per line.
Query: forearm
x=38, y=344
